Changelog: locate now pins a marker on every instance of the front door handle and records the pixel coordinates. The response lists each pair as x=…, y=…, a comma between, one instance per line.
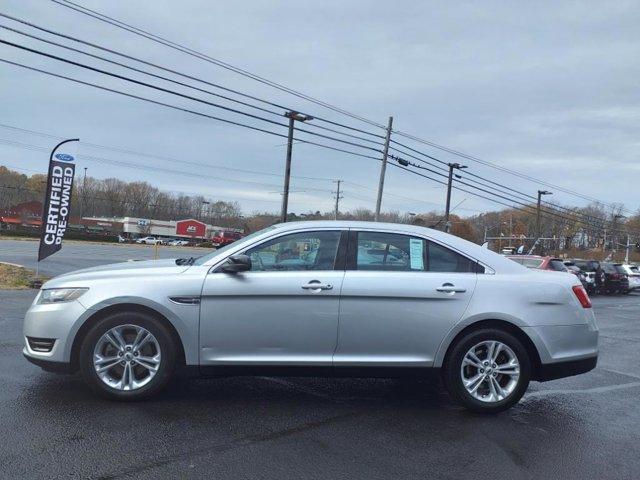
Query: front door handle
x=316, y=285
x=450, y=288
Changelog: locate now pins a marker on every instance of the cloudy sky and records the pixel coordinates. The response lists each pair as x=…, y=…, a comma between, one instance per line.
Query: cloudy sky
x=548, y=89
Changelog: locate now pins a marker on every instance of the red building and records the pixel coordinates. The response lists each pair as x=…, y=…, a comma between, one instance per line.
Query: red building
x=191, y=228
x=27, y=214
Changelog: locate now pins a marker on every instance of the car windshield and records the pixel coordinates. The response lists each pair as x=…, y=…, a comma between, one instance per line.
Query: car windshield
x=619, y=269
x=609, y=268
x=205, y=258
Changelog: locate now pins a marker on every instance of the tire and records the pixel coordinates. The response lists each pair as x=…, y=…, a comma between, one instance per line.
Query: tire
x=147, y=372
x=516, y=386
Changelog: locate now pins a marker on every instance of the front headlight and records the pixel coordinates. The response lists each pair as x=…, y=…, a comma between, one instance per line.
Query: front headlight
x=58, y=295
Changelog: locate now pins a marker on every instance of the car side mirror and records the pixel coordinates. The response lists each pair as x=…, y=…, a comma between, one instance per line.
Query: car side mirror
x=236, y=264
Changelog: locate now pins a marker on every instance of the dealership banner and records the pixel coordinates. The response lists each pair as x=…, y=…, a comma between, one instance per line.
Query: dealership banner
x=57, y=203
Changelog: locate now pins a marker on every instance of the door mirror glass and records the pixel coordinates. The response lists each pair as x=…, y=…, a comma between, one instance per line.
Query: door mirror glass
x=237, y=263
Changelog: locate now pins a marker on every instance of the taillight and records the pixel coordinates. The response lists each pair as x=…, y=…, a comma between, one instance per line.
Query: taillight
x=582, y=296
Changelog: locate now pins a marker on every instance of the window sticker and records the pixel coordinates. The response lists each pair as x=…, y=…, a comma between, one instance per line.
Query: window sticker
x=415, y=254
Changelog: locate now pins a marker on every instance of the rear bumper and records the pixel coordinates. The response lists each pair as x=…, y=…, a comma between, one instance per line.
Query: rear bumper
x=553, y=371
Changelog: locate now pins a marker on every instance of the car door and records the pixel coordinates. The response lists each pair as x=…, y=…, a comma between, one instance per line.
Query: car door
x=401, y=294
x=284, y=311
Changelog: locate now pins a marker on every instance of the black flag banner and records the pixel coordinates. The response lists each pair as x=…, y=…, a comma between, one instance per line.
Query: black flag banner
x=57, y=203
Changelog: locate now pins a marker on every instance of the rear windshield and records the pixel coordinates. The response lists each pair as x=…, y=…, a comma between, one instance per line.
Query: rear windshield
x=586, y=265
x=557, y=265
x=608, y=268
x=620, y=269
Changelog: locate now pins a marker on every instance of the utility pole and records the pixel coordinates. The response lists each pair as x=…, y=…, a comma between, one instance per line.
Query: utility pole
x=338, y=197
x=452, y=167
x=626, y=255
x=83, y=198
x=292, y=116
x=383, y=168
x=538, y=232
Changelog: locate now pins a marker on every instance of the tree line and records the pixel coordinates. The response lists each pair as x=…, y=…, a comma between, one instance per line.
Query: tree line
x=590, y=227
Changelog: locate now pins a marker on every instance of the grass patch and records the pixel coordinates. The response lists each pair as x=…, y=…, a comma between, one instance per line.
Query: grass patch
x=12, y=277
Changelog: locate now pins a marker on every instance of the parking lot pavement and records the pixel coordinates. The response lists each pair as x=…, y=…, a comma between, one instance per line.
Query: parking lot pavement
x=581, y=427
x=77, y=255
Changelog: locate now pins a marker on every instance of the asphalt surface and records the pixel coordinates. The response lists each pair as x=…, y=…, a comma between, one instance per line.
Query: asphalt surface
x=76, y=255
x=291, y=428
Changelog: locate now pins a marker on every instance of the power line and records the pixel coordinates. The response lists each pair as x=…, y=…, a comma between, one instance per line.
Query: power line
x=176, y=46
x=160, y=157
x=150, y=36
x=485, y=182
x=173, y=92
x=156, y=102
x=161, y=77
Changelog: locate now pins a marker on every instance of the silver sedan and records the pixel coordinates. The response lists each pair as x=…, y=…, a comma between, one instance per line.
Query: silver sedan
x=323, y=298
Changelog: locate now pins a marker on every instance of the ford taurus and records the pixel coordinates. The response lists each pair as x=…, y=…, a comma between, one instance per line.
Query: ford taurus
x=319, y=298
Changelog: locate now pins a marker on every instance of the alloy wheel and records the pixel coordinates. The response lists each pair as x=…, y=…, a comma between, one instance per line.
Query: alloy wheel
x=490, y=371
x=127, y=357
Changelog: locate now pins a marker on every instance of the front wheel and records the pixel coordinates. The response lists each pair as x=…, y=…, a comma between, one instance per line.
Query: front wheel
x=487, y=371
x=127, y=356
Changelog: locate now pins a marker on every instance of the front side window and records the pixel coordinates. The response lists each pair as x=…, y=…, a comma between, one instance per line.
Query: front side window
x=296, y=251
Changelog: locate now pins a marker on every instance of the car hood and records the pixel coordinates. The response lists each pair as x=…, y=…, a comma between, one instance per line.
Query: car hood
x=115, y=270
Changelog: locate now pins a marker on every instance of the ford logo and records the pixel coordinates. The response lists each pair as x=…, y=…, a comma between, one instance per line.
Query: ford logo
x=64, y=157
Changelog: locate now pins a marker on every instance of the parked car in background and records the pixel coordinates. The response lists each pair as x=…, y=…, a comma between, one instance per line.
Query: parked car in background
x=572, y=268
x=633, y=274
x=121, y=239
x=149, y=240
x=592, y=270
x=324, y=297
x=178, y=243
x=615, y=278
x=539, y=263
x=220, y=239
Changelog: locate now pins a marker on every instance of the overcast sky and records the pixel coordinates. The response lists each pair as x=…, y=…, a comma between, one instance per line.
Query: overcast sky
x=550, y=89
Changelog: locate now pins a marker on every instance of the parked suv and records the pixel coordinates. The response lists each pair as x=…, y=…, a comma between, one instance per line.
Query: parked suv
x=593, y=273
x=615, y=278
x=327, y=298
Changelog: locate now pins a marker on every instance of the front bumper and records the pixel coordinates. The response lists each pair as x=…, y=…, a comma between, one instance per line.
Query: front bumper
x=48, y=365
x=58, y=321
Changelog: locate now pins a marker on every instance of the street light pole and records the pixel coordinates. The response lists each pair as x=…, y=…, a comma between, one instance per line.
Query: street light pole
x=383, y=168
x=452, y=167
x=538, y=233
x=292, y=116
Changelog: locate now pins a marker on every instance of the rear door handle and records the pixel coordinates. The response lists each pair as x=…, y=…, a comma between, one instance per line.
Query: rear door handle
x=450, y=288
x=317, y=286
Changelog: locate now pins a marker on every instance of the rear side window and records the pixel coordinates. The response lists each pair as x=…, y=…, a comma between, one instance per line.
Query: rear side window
x=442, y=259
x=389, y=251
x=395, y=252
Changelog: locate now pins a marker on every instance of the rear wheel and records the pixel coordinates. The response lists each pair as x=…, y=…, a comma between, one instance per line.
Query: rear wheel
x=127, y=356
x=487, y=371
